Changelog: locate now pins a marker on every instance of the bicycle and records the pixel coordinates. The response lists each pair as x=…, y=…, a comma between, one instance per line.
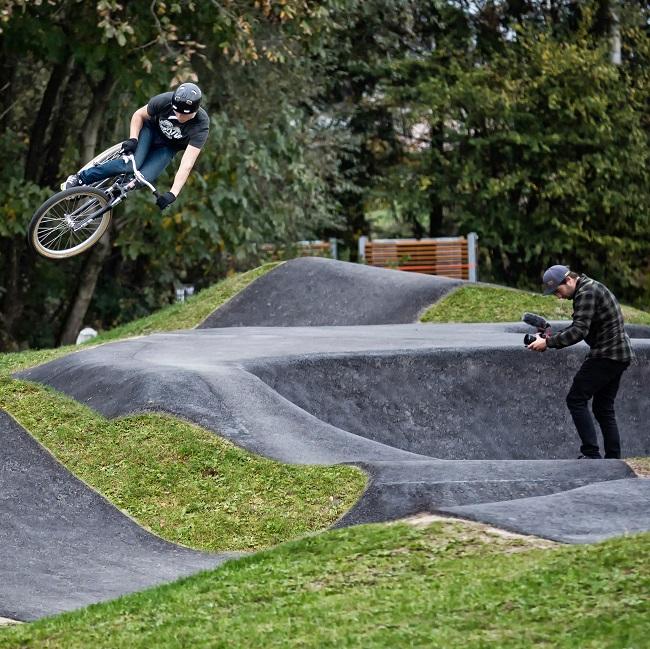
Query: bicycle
x=74, y=220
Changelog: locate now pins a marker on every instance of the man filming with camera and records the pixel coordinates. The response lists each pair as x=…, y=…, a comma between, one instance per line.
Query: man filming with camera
x=598, y=320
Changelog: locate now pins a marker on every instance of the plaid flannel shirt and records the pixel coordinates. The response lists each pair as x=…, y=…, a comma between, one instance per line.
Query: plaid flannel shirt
x=598, y=320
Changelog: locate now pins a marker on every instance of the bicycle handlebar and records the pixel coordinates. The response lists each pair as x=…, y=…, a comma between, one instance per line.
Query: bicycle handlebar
x=131, y=158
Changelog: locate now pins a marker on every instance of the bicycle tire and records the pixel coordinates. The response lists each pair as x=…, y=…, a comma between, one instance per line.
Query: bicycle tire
x=50, y=234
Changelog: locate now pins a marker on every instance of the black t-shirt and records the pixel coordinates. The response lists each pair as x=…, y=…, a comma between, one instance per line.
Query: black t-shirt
x=177, y=135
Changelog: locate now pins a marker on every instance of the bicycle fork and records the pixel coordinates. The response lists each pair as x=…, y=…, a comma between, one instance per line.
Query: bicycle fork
x=107, y=208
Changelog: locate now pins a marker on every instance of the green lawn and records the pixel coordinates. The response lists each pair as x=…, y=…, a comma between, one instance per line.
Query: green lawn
x=448, y=584
x=191, y=312
x=482, y=303
x=445, y=585
x=180, y=481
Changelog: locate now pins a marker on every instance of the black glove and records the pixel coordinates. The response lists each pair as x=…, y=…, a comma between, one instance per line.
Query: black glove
x=130, y=145
x=165, y=199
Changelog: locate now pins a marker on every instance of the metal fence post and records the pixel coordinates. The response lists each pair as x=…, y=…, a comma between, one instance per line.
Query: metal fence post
x=362, y=248
x=334, y=250
x=472, y=258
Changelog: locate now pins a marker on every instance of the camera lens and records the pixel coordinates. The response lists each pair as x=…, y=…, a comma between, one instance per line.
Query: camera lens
x=528, y=338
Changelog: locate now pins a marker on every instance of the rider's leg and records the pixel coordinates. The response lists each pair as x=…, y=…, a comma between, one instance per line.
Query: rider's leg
x=119, y=166
x=156, y=162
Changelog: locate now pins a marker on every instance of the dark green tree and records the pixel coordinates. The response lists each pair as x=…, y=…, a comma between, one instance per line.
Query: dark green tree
x=544, y=153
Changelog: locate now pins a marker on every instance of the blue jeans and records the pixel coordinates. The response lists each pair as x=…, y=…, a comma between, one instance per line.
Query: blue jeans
x=151, y=158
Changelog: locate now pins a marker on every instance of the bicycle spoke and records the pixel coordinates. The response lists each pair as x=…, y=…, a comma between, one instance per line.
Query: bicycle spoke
x=57, y=233
x=54, y=239
x=50, y=235
x=56, y=219
x=56, y=228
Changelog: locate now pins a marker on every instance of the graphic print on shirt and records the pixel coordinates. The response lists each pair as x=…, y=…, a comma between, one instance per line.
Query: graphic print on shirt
x=172, y=131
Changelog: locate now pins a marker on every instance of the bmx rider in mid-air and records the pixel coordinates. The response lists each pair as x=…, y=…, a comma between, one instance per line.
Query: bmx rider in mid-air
x=169, y=123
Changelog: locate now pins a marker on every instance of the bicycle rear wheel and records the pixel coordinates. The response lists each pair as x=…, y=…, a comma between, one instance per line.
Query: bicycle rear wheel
x=52, y=232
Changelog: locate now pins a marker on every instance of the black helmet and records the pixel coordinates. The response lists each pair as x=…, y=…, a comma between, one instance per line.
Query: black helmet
x=187, y=98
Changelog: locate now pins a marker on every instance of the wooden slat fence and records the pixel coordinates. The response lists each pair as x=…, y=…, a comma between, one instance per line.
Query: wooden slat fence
x=449, y=256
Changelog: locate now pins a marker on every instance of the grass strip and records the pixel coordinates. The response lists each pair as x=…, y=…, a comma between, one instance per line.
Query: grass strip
x=383, y=586
x=497, y=304
x=190, y=313
x=180, y=481
x=174, y=317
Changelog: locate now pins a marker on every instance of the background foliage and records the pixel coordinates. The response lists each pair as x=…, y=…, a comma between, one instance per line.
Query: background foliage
x=335, y=118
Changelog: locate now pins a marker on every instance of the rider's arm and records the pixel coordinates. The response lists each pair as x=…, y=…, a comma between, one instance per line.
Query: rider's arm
x=137, y=121
x=184, y=169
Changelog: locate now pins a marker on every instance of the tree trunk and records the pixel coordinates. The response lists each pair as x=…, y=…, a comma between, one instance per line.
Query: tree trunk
x=7, y=343
x=8, y=75
x=53, y=150
x=356, y=226
x=55, y=86
x=98, y=255
x=96, y=114
x=13, y=302
x=436, y=214
x=436, y=211
x=86, y=289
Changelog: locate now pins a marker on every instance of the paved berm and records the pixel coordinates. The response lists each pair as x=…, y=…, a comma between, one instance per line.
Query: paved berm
x=321, y=362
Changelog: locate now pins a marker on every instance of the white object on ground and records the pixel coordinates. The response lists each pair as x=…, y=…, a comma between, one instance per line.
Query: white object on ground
x=87, y=333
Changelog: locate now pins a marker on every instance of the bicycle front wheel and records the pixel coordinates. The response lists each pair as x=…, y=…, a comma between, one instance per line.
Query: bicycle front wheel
x=63, y=226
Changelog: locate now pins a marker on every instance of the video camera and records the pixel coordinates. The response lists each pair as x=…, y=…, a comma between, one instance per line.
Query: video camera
x=542, y=326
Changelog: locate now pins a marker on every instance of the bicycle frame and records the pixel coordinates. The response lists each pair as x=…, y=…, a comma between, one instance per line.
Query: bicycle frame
x=123, y=191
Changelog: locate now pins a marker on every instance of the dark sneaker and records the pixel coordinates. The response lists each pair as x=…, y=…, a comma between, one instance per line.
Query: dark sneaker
x=72, y=181
x=589, y=457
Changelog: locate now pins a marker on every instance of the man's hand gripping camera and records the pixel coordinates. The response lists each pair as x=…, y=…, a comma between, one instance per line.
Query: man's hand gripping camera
x=542, y=326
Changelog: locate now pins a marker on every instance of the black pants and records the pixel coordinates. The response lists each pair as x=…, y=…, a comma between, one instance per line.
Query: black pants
x=598, y=378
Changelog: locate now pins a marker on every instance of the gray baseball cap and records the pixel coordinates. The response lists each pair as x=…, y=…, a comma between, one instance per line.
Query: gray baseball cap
x=553, y=277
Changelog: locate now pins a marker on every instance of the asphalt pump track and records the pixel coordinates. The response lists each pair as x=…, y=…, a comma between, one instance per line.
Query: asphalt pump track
x=454, y=419
x=64, y=546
